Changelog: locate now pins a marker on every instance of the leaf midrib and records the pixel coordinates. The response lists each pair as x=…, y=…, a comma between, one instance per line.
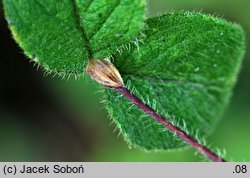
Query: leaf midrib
x=81, y=29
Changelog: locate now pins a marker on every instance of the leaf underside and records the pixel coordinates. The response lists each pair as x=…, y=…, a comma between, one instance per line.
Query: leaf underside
x=185, y=68
x=62, y=35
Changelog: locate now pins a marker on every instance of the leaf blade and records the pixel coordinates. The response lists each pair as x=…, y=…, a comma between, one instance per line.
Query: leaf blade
x=54, y=35
x=193, y=91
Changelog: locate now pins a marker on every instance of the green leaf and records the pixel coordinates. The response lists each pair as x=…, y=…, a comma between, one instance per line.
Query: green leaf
x=62, y=35
x=185, y=68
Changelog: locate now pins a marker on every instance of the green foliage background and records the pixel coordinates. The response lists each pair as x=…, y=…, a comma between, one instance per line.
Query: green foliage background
x=48, y=140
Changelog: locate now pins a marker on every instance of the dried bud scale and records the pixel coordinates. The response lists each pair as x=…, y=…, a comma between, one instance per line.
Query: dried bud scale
x=105, y=73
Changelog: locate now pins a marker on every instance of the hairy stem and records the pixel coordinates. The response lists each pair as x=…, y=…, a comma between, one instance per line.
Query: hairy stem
x=106, y=74
x=167, y=124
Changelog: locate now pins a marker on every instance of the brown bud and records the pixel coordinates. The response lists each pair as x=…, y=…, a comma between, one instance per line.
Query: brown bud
x=105, y=73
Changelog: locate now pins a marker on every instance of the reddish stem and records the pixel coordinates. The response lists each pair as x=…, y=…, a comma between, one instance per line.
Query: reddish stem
x=176, y=130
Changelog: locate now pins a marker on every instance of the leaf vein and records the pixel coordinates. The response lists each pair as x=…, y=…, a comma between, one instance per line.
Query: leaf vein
x=80, y=27
x=88, y=6
x=105, y=20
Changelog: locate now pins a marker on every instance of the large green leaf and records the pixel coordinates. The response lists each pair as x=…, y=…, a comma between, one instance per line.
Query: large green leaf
x=185, y=68
x=185, y=65
x=62, y=35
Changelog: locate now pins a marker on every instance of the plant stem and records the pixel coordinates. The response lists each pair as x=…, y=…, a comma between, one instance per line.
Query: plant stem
x=167, y=124
x=106, y=74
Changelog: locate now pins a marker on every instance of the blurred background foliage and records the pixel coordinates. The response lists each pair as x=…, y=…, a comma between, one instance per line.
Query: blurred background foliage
x=48, y=119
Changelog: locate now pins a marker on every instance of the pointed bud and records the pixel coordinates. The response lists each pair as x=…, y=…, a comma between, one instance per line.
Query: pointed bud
x=105, y=73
